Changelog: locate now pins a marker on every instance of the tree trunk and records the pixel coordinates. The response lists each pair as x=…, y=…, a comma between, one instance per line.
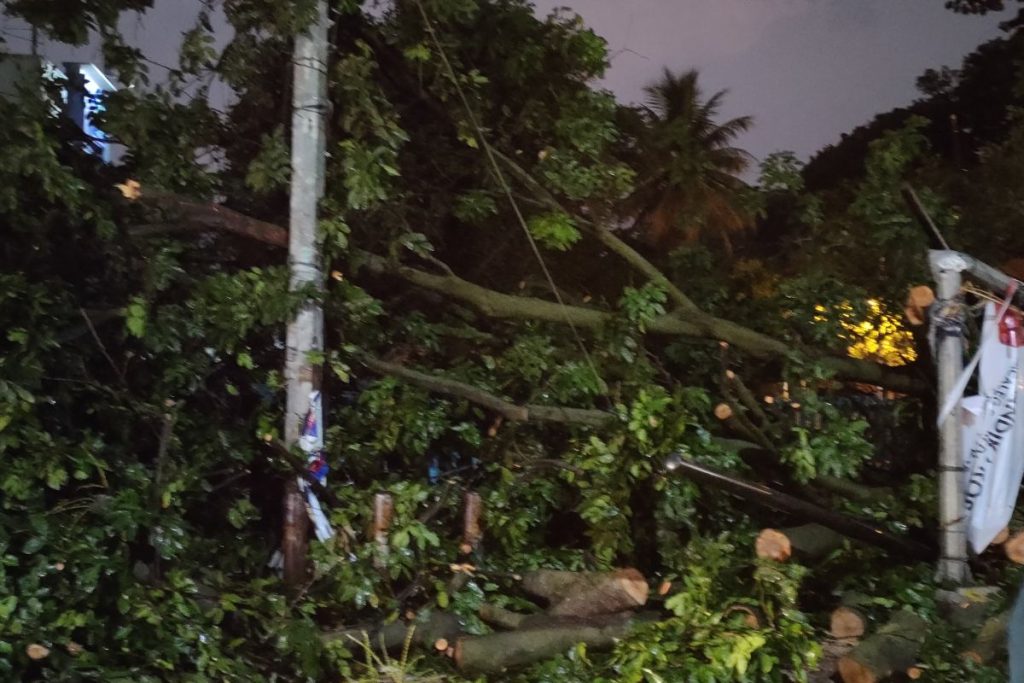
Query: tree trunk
x=810, y=541
x=991, y=640
x=581, y=594
x=494, y=653
x=892, y=648
x=850, y=527
x=392, y=637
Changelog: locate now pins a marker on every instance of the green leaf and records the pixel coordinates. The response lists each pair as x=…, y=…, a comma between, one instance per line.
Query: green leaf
x=135, y=317
x=7, y=606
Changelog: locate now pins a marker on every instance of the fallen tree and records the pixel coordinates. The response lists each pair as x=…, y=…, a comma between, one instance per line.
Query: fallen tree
x=212, y=217
x=892, y=648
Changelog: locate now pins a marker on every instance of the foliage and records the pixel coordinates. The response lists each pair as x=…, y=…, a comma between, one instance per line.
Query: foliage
x=140, y=378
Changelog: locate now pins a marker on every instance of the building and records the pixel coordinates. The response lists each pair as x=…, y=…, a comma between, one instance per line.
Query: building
x=81, y=93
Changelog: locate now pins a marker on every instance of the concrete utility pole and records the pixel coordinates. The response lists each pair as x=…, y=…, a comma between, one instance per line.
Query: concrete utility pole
x=947, y=267
x=306, y=329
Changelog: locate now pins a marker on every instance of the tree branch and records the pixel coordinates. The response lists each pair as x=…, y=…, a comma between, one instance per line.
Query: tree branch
x=689, y=323
x=603, y=234
x=192, y=215
x=499, y=305
x=509, y=410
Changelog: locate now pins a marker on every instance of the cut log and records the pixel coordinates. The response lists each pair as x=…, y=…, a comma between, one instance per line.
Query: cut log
x=500, y=617
x=991, y=640
x=383, y=512
x=967, y=608
x=810, y=541
x=582, y=594
x=919, y=299
x=831, y=652
x=752, y=617
x=1014, y=547
x=736, y=422
x=392, y=637
x=849, y=621
x=773, y=545
x=746, y=397
x=496, y=652
x=851, y=527
x=894, y=647
x=472, y=511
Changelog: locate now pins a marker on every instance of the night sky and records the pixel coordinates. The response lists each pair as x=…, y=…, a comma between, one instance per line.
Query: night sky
x=807, y=70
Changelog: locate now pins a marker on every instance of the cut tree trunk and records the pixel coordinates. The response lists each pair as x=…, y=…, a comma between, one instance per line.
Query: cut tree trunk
x=500, y=617
x=991, y=640
x=894, y=647
x=847, y=623
x=1014, y=547
x=496, y=652
x=582, y=594
x=737, y=423
x=810, y=541
x=967, y=608
x=392, y=637
x=472, y=532
x=851, y=527
x=831, y=652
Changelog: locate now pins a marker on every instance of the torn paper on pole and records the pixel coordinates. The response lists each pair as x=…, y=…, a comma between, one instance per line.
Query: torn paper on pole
x=992, y=429
x=311, y=441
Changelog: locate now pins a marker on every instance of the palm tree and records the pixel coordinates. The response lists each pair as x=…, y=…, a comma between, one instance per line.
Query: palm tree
x=688, y=181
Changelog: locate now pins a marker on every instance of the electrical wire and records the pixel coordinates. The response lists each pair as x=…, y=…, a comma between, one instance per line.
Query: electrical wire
x=506, y=188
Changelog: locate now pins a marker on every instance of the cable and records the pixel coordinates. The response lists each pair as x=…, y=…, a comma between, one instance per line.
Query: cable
x=506, y=188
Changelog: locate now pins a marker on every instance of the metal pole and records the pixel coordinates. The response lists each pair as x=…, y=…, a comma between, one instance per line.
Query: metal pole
x=306, y=329
x=947, y=267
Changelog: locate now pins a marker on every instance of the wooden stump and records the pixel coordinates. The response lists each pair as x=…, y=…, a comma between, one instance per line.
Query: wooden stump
x=894, y=647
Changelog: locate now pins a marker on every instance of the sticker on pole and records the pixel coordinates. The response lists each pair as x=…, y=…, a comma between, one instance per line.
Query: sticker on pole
x=311, y=441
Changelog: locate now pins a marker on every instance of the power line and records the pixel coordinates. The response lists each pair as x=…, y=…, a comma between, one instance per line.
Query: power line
x=505, y=187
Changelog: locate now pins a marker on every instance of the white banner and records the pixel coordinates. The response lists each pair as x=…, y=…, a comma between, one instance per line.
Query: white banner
x=991, y=430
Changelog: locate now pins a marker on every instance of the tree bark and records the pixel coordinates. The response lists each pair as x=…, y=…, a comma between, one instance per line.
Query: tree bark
x=500, y=617
x=893, y=648
x=499, y=305
x=991, y=639
x=494, y=653
x=392, y=637
x=850, y=527
x=507, y=409
x=472, y=531
x=583, y=594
